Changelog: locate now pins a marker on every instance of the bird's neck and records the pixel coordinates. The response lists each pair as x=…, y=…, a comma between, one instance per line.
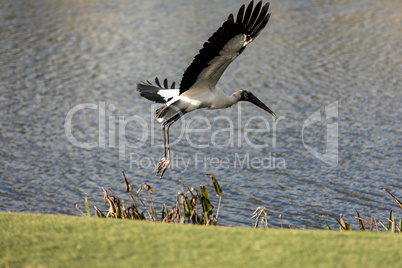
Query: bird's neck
x=232, y=99
x=227, y=101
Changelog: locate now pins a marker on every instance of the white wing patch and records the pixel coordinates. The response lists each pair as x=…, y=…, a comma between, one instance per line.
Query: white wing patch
x=168, y=94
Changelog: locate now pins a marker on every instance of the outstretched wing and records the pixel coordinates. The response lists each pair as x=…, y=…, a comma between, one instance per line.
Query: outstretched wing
x=159, y=93
x=225, y=45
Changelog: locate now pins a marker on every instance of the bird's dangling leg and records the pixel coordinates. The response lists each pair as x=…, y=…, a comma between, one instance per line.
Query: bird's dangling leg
x=165, y=161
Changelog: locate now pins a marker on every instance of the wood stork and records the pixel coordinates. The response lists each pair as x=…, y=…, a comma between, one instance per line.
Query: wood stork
x=198, y=86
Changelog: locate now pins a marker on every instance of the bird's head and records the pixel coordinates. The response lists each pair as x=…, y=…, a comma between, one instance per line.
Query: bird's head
x=245, y=95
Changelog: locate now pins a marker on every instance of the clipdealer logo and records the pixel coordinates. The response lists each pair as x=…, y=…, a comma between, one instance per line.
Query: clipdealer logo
x=330, y=156
x=238, y=132
x=112, y=133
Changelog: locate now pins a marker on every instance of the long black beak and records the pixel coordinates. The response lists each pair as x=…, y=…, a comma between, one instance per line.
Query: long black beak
x=254, y=100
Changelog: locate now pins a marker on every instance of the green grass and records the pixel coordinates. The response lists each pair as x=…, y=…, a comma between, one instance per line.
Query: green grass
x=50, y=240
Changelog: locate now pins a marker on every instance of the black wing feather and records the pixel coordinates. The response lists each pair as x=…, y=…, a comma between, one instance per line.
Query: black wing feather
x=248, y=22
x=248, y=14
x=150, y=91
x=239, y=19
x=254, y=17
x=157, y=82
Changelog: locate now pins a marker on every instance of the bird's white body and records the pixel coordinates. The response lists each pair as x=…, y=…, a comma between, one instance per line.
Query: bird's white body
x=196, y=98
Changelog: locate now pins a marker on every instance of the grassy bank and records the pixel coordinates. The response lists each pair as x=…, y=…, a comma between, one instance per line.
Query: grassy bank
x=49, y=240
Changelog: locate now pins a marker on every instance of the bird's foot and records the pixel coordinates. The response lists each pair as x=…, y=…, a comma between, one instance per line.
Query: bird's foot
x=163, y=164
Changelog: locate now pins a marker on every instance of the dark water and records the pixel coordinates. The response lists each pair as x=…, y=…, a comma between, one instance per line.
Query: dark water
x=83, y=58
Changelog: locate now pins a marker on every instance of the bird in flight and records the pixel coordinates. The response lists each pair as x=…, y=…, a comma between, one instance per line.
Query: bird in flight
x=198, y=86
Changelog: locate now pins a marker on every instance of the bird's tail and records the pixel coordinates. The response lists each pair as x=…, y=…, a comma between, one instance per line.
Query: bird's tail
x=161, y=112
x=166, y=112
